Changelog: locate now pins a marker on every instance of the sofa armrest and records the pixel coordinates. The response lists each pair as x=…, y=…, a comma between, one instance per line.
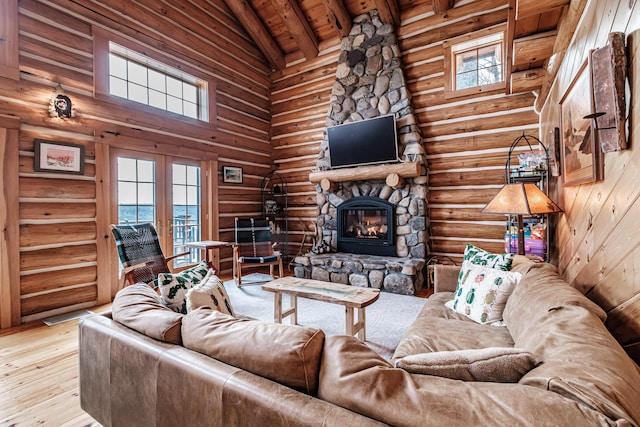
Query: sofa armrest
x=445, y=278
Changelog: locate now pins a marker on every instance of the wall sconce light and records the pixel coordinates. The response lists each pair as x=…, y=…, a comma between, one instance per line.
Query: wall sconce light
x=594, y=117
x=60, y=104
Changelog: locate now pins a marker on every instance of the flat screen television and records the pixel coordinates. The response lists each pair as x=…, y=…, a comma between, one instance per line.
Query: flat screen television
x=364, y=142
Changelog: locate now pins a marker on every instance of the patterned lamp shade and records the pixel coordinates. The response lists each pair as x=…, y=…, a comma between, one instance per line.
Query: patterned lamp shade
x=521, y=199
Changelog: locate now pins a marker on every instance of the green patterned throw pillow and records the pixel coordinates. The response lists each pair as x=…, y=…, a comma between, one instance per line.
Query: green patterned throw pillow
x=483, y=292
x=174, y=286
x=479, y=256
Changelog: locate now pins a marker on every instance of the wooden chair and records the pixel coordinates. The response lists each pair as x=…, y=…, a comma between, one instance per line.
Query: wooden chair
x=253, y=248
x=140, y=253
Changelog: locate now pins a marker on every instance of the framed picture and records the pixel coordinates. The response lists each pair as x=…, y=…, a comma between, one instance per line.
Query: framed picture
x=232, y=174
x=60, y=157
x=553, y=145
x=578, y=149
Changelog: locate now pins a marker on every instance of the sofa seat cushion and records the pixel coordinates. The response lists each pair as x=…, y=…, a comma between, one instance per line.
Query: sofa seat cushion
x=357, y=378
x=492, y=364
x=287, y=354
x=140, y=308
x=438, y=328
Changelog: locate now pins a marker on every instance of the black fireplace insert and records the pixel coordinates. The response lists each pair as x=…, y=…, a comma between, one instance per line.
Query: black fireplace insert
x=366, y=225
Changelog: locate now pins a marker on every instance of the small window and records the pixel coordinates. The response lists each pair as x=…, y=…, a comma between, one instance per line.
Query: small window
x=474, y=63
x=140, y=79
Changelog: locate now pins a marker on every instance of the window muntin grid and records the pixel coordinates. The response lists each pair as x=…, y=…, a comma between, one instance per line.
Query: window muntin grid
x=478, y=62
x=141, y=79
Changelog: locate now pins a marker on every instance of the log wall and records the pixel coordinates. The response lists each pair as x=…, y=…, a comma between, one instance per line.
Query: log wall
x=62, y=245
x=467, y=139
x=598, y=235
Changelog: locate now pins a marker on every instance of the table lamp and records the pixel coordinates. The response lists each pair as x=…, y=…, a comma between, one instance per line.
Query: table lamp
x=521, y=199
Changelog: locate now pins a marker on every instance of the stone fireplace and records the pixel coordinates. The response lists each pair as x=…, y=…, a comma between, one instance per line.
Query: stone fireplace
x=366, y=225
x=383, y=242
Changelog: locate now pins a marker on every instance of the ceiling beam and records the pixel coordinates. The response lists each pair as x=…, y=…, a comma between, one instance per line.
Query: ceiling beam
x=441, y=6
x=298, y=26
x=338, y=16
x=526, y=8
x=258, y=33
x=528, y=80
x=533, y=48
x=389, y=11
x=566, y=27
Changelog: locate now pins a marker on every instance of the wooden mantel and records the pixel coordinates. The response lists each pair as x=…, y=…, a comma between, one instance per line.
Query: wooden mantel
x=362, y=173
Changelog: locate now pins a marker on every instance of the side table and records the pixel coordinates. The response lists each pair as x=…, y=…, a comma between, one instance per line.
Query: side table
x=206, y=246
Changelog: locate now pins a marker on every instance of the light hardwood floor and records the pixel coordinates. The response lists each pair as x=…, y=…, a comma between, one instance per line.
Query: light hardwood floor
x=39, y=375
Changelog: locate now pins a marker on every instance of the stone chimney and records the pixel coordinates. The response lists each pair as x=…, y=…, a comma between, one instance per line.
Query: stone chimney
x=370, y=82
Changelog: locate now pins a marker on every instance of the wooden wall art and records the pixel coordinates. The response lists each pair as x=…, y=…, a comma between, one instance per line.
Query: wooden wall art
x=553, y=142
x=609, y=74
x=579, y=153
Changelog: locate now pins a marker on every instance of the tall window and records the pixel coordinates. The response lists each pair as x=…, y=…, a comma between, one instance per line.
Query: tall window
x=149, y=82
x=474, y=63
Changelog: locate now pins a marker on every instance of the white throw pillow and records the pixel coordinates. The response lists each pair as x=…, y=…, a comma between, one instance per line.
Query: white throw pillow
x=209, y=293
x=492, y=364
x=483, y=292
x=174, y=286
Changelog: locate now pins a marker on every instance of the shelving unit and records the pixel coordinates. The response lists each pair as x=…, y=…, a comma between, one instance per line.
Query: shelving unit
x=274, y=209
x=538, y=175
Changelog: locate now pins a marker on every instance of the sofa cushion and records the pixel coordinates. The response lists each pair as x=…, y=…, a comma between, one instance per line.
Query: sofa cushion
x=483, y=292
x=210, y=292
x=479, y=256
x=357, y=378
x=565, y=330
x=287, y=354
x=438, y=328
x=174, y=286
x=493, y=364
x=140, y=308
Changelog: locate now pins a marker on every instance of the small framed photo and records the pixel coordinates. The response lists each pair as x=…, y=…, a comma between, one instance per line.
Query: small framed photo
x=60, y=157
x=232, y=174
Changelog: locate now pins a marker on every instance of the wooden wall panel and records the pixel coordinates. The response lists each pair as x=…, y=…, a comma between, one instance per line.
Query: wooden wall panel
x=598, y=232
x=65, y=247
x=466, y=139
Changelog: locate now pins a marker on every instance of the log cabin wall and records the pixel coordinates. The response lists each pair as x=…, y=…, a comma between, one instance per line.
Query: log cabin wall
x=598, y=235
x=466, y=139
x=57, y=225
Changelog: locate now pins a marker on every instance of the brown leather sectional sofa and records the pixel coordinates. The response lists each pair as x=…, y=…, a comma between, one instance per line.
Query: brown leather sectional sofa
x=207, y=368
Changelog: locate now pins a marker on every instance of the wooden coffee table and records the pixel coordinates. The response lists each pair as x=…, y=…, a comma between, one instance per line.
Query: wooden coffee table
x=349, y=296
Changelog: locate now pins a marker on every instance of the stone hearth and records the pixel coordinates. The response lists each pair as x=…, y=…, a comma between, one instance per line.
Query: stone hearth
x=397, y=275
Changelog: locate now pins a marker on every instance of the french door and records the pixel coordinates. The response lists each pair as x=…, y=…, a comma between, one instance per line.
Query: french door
x=163, y=190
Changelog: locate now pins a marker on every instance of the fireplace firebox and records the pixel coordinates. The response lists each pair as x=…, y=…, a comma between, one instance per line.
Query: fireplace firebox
x=366, y=225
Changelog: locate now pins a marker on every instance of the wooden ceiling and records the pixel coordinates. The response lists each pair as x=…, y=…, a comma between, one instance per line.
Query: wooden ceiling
x=288, y=31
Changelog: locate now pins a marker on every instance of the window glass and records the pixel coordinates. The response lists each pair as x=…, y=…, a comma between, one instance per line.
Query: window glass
x=140, y=79
x=475, y=62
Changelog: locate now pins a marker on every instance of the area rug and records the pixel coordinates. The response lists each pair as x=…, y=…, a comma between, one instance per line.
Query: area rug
x=78, y=314
x=387, y=319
